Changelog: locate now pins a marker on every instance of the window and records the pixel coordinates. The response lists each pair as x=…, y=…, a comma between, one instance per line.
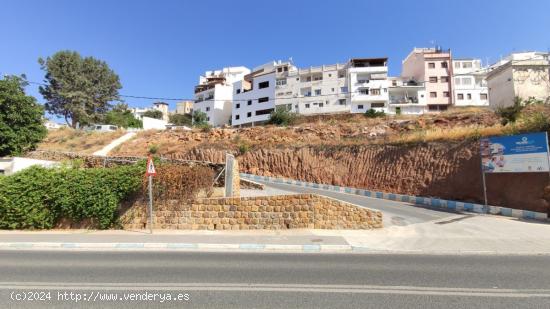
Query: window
x=444, y=79
x=466, y=81
x=444, y=64
x=342, y=101
x=264, y=112
x=237, y=117
x=262, y=100
x=317, y=91
x=385, y=90
x=281, y=82
x=360, y=106
x=433, y=94
x=469, y=96
x=318, y=77
x=238, y=91
x=394, y=83
x=375, y=91
x=263, y=85
x=238, y=105
x=445, y=94
x=208, y=109
x=307, y=105
x=364, y=91
x=332, y=89
x=466, y=65
x=343, y=89
x=457, y=80
x=483, y=96
x=329, y=75
x=431, y=65
x=285, y=69
x=207, y=118
x=341, y=75
x=377, y=105
x=457, y=65
x=460, y=96
x=308, y=79
x=433, y=79
x=279, y=70
x=249, y=102
x=321, y=104
x=249, y=114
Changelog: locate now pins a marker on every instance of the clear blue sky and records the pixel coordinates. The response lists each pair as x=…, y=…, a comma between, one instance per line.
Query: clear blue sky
x=159, y=48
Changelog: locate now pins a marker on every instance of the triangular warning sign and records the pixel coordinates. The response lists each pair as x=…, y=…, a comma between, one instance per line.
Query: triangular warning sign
x=150, y=168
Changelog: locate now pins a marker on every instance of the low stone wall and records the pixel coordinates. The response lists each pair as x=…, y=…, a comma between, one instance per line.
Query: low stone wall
x=247, y=213
x=249, y=184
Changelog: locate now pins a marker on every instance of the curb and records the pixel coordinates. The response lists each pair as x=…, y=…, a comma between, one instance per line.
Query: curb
x=247, y=247
x=417, y=200
x=240, y=248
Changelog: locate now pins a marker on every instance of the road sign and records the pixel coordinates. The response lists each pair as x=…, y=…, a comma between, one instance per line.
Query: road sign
x=150, y=168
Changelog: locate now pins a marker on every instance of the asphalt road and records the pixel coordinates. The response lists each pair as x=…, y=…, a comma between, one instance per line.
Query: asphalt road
x=253, y=280
x=395, y=213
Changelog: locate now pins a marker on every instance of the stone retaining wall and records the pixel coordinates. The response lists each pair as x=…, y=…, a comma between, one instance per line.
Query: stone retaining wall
x=266, y=212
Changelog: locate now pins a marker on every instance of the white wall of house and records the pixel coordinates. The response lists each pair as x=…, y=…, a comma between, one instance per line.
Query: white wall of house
x=254, y=106
x=368, y=88
x=217, y=101
x=524, y=75
x=9, y=166
x=152, y=123
x=470, y=85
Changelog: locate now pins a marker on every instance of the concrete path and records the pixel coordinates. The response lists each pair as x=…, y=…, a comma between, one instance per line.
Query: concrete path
x=112, y=145
x=233, y=280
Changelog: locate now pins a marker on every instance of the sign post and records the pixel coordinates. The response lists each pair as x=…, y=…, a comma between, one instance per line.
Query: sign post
x=150, y=173
x=523, y=153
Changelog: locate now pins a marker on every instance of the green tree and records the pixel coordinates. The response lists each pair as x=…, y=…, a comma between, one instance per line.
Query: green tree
x=21, y=117
x=153, y=113
x=78, y=89
x=121, y=116
x=181, y=119
x=200, y=118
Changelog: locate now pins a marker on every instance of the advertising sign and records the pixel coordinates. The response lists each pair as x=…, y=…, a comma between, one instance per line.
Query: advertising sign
x=515, y=154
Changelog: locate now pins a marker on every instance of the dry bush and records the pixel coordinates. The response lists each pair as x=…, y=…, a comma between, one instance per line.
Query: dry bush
x=180, y=182
x=454, y=133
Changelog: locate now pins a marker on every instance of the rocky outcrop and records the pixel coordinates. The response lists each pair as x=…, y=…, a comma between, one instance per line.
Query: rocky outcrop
x=441, y=169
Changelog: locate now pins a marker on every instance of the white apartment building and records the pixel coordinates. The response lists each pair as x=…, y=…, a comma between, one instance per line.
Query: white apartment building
x=470, y=85
x=368, y=84
x=406, y=96
x=161, y=106
x=214, y=94
x=254, y=95
x=431, y=67
x=314, y=90
x=524, y=75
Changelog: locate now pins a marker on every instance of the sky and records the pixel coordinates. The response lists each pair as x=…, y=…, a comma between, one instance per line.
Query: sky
x=160, y=48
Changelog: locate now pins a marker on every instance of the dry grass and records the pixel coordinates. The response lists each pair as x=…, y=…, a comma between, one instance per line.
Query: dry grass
x=453, y=134
x=70, y=140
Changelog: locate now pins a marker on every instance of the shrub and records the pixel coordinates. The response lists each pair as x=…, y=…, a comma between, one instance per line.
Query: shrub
x=204, y=127
x=371, y=113
x=244, y=148
x=153, y=113
x=37, y=198
x=181, y=119
x=199, y=118
x=282, y=117
x=153, y=149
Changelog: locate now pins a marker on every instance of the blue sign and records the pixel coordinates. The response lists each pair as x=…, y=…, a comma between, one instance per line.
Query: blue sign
x=517, y=153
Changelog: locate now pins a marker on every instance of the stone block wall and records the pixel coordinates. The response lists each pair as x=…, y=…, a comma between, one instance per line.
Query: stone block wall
x=266, y=212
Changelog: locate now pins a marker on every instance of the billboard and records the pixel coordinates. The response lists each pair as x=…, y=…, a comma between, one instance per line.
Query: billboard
x=515, y=154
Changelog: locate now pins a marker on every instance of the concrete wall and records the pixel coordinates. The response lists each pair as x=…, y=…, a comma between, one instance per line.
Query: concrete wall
x=267, y=212
x=152, y=123
x=501, y=89
x=9, y=166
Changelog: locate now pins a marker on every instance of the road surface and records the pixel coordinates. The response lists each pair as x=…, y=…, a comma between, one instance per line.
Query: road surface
x=252, y=280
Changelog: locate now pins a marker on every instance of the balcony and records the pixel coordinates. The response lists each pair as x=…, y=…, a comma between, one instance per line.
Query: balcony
x=403, y=100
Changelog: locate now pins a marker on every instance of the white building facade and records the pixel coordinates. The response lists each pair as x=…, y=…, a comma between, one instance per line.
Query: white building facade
x=368, y=84
x=470, y=84
x=406, y=96
x=214, y=94
x=525, y=75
